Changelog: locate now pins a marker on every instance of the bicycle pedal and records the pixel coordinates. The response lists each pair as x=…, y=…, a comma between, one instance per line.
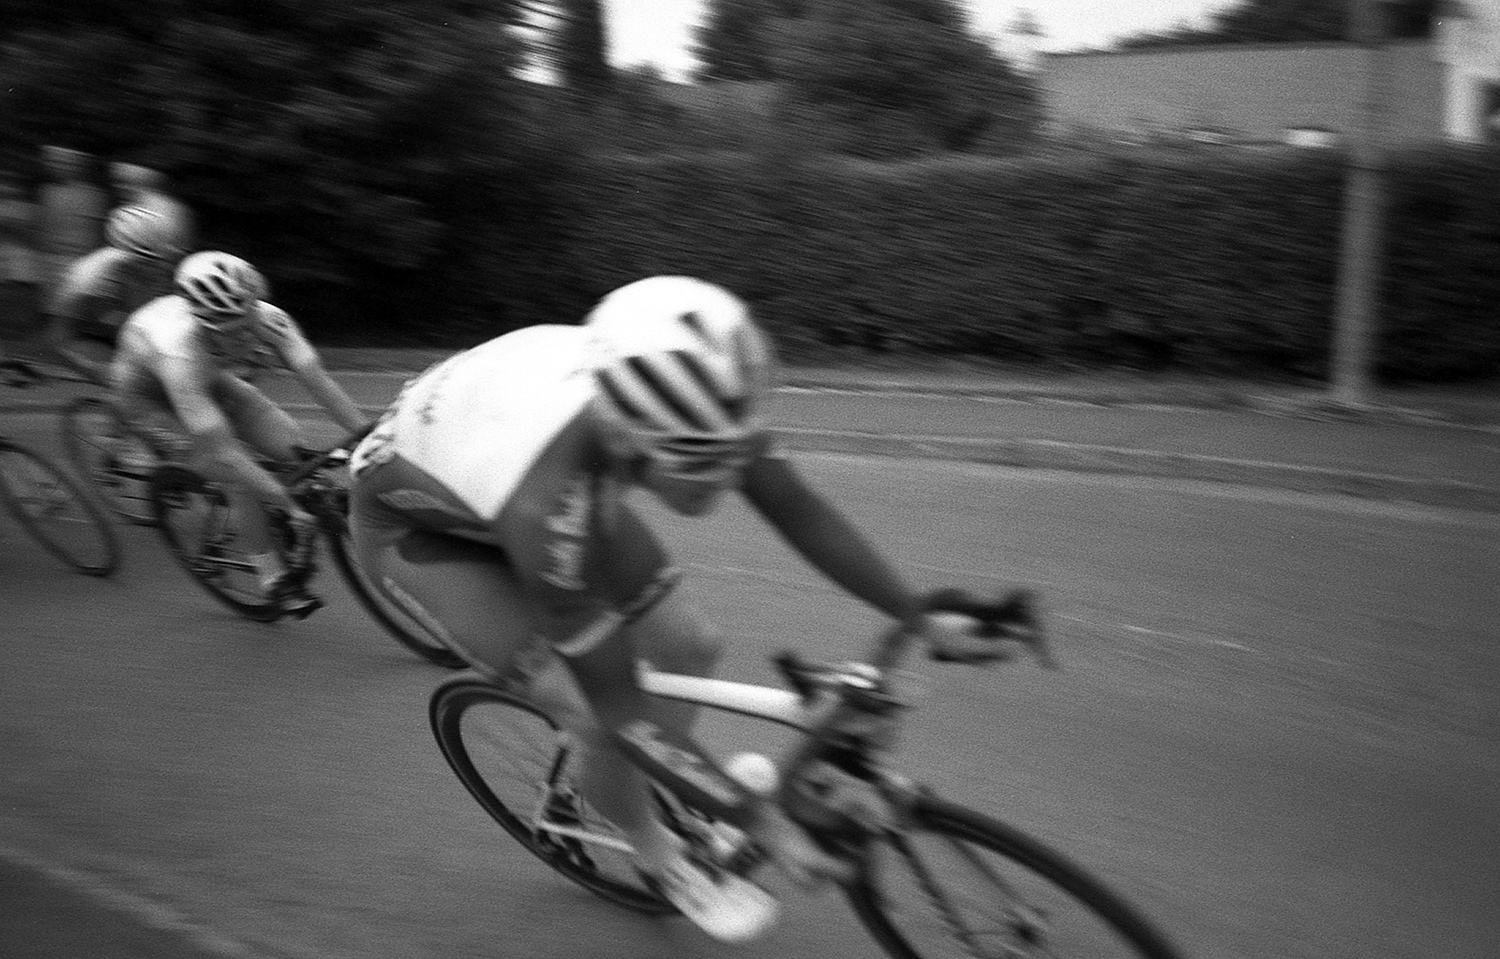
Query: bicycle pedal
x=297, y=606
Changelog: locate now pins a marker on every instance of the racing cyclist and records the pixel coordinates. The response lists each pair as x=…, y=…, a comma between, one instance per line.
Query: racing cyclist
x=186, y=354
x=491, y=503
x=84, y=312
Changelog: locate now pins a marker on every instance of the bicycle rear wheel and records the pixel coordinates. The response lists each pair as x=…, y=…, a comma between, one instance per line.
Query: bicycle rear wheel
x=56, y=511
x=403, y=628
x=115, y=462
x=196, y=522
x=956, y=883
x=519, y=766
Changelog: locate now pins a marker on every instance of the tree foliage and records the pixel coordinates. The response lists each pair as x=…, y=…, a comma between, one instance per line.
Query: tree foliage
x=330, y=141
x=580, y=48
x=900, y=76
x=876, y=78
x=1291, y=21
x=737, y=40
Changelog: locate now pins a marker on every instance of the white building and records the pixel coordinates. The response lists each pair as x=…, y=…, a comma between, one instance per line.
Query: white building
x=1468, y=43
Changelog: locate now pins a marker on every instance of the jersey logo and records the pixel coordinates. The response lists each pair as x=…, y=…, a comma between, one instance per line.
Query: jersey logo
x=569, y=526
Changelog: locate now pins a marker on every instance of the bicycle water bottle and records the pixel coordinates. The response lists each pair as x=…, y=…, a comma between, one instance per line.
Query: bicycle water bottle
x=755, y=772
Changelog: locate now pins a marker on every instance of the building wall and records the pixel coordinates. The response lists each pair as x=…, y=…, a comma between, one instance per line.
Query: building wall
x=1256, y=92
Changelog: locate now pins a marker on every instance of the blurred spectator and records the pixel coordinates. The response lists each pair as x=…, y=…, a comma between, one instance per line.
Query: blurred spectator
x=19, y=274
x=142, y=186
x=72, y=211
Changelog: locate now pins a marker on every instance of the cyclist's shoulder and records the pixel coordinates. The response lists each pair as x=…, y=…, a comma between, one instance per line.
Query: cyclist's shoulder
x=539, y=348
x=163, y=321
x=276, y=324
x=529, y=370
x=94, y=274
x=104, y=264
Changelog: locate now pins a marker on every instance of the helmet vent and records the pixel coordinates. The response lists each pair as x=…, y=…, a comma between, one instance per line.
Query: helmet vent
x=693, y=321
x=662, y=389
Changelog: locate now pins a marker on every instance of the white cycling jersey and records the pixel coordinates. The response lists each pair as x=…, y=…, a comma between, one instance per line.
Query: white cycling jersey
x=164, y=351
x=478, y=422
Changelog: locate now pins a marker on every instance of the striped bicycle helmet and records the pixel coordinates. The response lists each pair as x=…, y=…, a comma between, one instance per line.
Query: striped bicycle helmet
x=681, y=366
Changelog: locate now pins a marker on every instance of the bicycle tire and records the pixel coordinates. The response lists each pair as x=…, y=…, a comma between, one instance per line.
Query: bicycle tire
x=195, y=521
x=92, y=440
x=36, y=492
x=529, y=747
x=397, y=624
x=943, y=834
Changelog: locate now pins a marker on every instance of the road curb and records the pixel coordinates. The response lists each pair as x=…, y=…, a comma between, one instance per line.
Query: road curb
x=1086, y=458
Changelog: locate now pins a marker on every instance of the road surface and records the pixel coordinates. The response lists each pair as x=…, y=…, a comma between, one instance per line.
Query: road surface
x=1275, y=731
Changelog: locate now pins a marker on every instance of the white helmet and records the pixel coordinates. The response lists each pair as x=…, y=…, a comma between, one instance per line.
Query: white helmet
x=145, y=232
x=219, y=288
x=681, y=366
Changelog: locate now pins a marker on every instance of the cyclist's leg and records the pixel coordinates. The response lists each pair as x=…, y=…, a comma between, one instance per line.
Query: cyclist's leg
x=671, y=634
x=271, y=433
x=466, y=595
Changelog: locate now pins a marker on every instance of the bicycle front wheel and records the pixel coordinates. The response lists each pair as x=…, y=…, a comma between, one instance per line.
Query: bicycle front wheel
x=116, y=463
x=401, y=627
x=56, y=511
x=196, y=522
x=955, y=883
x=519, y=766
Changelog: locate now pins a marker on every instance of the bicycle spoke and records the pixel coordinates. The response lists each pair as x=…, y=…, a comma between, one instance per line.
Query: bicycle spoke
x=525, y=769
x=51, y=508
x=945, y=905
x=956, y=885
x=200, y=529
x=117, y=465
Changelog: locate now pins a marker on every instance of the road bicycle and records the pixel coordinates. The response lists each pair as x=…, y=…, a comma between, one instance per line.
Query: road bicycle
x=117, y=461
x=932, y=877
x=56, y=511
x=51, y=506
x=199, y=526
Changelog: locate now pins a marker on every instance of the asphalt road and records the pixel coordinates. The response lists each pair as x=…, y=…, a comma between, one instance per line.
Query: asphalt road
x=1275, y=732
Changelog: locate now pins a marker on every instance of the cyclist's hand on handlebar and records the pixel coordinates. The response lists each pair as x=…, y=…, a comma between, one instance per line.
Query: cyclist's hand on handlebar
x=959, y=628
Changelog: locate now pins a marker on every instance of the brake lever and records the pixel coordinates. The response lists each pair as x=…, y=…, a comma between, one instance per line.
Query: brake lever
x=1020, y=609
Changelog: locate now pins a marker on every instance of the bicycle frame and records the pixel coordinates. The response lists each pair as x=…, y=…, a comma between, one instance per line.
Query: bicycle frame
x=805, y=713
x=817, y=706
x=780, y=706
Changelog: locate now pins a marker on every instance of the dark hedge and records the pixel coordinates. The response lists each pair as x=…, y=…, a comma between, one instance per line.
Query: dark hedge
x=1193, y=261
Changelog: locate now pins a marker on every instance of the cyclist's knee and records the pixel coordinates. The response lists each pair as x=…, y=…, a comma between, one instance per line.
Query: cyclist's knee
x=676, y=638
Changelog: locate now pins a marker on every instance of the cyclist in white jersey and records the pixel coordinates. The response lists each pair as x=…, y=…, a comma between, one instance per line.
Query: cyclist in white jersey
x=185, y=354
x=91, y=301
x=491, y=502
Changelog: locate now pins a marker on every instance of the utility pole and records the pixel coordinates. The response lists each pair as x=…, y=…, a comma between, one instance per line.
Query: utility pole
x=1360, y=259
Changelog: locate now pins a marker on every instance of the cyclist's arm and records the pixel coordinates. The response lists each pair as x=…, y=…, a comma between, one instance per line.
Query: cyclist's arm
x=189, y=391
x=330, y=396
x=300, y=357
x=826, y=538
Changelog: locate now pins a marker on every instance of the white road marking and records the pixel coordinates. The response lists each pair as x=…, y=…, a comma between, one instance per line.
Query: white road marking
x=150, y=912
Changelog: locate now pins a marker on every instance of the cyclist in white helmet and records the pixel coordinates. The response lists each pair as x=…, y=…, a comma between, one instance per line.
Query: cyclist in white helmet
x=492, y=502
x=85, y=310
x=187, y=354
